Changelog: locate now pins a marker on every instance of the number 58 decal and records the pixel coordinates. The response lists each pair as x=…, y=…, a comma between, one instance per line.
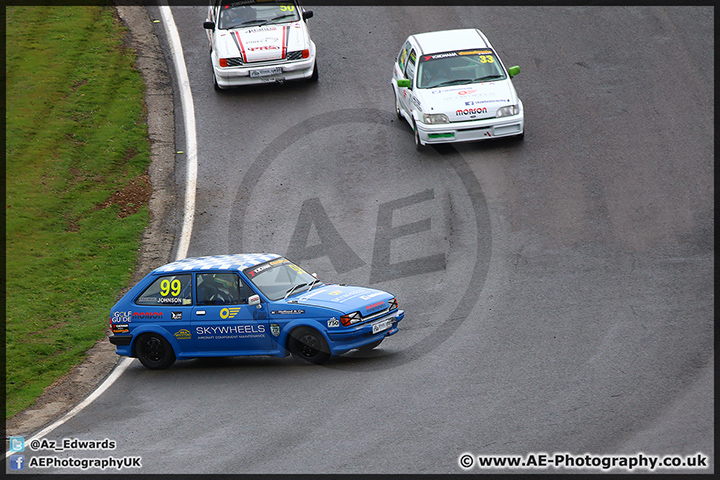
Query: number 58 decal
x=287, y=8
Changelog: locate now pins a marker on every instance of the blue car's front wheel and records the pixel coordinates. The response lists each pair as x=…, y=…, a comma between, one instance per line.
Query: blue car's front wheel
x=307, y=344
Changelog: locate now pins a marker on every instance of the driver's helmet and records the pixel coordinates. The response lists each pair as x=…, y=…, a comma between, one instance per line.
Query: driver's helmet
x=207, y=290
x=433, y=71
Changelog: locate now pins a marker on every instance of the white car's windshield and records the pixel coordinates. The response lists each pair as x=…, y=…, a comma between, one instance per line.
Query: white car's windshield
x=458, y=68
x=248, y=13
x=280, y=278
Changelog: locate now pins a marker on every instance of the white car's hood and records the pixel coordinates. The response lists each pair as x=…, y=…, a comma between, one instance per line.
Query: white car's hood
x=473, y=101
x=262, y=43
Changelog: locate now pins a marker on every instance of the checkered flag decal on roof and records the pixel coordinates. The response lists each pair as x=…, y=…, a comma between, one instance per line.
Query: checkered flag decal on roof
x=218, y=262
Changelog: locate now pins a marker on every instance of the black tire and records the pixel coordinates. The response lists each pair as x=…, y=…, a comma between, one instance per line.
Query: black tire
x=370, y=346
x=416, y=134
x=314, y=76
x=308, y=345
x=397, y=106
x=217, y=87
x=154, y=351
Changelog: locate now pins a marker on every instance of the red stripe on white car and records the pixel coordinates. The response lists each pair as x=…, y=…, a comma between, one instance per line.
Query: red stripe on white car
x=242, y=47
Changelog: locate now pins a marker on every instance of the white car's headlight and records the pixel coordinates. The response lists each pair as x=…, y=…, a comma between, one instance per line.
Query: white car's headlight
x=508, y=111
x=434, y=118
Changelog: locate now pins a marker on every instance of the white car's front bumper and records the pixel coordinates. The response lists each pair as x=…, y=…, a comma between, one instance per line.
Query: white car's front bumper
x=473, y=130
x=227, y=77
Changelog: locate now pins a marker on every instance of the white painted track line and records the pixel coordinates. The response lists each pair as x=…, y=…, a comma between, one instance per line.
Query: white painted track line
x=190, y=131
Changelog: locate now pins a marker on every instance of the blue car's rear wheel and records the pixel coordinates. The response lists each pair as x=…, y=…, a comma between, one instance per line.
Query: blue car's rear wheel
x=308, y=345
x=154, y=351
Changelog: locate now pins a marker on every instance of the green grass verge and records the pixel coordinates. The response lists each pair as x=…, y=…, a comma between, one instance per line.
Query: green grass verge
x=76, y=133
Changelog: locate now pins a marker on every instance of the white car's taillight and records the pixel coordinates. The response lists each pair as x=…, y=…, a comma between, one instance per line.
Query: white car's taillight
x=230, y=62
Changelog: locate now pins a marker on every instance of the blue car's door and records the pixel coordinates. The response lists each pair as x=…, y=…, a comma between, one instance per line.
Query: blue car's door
x=222, y=321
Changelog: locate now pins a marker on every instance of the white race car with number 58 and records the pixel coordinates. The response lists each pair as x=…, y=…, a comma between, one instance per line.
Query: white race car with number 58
x=452, y=87
x=259, y=41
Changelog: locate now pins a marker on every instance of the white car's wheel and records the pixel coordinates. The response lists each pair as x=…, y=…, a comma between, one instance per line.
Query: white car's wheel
x=215, y=83
x=416, y=134
x=397, y=105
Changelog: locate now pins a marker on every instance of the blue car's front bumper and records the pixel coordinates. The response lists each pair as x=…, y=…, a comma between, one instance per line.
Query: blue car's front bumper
x=348, y=339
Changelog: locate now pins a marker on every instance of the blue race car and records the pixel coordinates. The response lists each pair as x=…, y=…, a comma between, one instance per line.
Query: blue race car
x=246, y=304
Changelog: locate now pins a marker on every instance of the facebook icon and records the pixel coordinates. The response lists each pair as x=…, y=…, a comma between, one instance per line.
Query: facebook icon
x=17, y=462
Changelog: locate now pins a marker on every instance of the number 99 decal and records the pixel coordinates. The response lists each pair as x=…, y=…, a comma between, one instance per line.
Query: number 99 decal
x=167, y=287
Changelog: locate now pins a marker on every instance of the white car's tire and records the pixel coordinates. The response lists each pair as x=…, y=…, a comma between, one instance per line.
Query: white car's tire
x=416, y=134
x=215, y=83
x=397, y=105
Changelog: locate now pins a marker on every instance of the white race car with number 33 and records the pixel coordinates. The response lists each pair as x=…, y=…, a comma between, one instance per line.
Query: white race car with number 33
x=452, y=87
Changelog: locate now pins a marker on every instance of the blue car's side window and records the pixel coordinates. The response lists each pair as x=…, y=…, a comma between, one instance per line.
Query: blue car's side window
x=167, y=291
x=221, y=289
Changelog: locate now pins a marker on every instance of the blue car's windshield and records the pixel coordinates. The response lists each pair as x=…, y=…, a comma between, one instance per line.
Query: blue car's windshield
x=279, y=278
